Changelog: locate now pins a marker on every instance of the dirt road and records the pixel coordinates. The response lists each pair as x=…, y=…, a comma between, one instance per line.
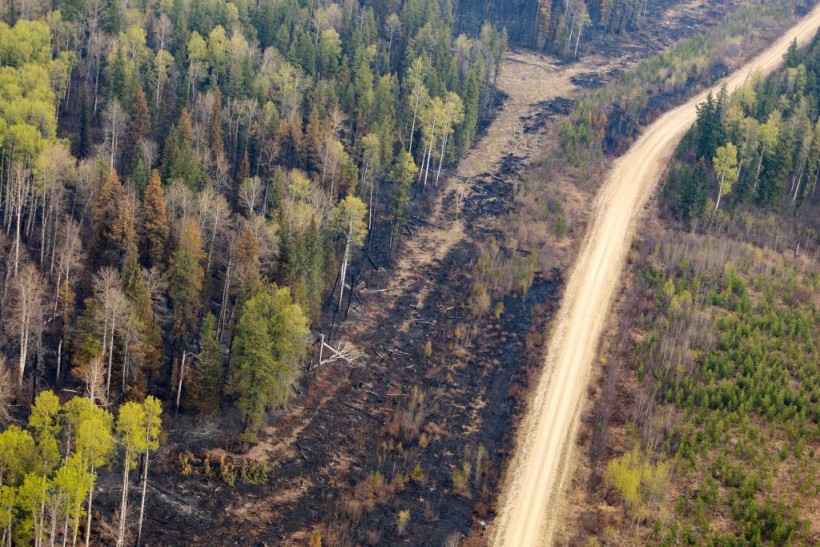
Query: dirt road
x=536, y=477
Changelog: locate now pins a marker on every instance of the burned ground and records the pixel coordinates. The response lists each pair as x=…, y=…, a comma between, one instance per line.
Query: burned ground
x=426, y=423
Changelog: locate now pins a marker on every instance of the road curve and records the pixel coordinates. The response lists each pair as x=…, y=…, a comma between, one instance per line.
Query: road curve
x=537, y=473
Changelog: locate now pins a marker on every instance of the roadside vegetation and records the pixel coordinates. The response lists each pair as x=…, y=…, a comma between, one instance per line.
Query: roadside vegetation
x=705, y=422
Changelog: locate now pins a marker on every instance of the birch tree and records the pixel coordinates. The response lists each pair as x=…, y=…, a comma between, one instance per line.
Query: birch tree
x=90, y=431
x=26, y=317
x=453, y=115
x=348, y=221
x=725, y=163
x=769, y=134
x=151, y=429
x=113, y=306
x=417, y=94
x=115, y=121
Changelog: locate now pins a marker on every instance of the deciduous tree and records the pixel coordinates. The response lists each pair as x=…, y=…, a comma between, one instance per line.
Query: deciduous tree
x=725, y=164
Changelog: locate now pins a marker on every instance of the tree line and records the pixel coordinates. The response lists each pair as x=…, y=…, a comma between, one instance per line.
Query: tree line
x=556, y=26
x=760, y=146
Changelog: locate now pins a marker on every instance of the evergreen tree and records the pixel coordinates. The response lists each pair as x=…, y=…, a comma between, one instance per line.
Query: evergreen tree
x=180, y=160
x=138, y=126
x=206, y=381
x=215, y=139
x=269, y=346
x=155, y=225
x=84, y=146
x=186, y=278
x=693, y=193
x=403, y=175
x=711, y=131
x=148, y=349
x=113, y=227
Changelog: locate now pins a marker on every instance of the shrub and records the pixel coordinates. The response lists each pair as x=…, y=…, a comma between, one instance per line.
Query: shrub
x=402, y=519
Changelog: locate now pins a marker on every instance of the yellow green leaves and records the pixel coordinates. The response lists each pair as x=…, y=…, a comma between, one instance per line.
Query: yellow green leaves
x=637, y=479
x=25, y=42
x=138, y=428
x=349, y=219
x=725, y=164
x=17, y=454
x=90, y=430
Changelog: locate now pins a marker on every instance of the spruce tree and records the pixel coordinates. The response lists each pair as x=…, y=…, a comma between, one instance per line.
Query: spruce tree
x=269, y=345
x=186, y=277
x=206, y=381
x=138, y=126
x=113, y=226
x=155, y=225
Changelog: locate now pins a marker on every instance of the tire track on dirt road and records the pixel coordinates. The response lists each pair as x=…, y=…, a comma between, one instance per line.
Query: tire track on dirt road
x=538, y=471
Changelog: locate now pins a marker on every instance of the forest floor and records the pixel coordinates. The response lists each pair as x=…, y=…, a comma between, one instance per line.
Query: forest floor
x=424, y=424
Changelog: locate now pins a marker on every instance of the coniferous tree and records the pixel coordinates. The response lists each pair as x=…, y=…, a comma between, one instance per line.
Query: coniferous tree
x=267, y=354
x=155, y=225
x=113, y=227
x=186, y=278
x=84, y=146
x=180, y=161
x=206, y=381
x=137, y=129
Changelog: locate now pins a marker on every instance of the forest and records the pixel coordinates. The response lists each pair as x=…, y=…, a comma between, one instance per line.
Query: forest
x=185, y=185
x=190, y=188
x=556, y=26
x=705, y=427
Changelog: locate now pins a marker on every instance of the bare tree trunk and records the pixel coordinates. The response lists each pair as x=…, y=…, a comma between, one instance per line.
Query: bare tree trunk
x=110, y=361
x=23, y=349
x=577, y=42
x=142, y=501
x=225, y=293
x=720, y=193
x=427, y=171
x=88, y=513
x=413, y=127
x=441, y=159
x=123, y=503
x=799, y=179
x=59, y=359
x=344, y=271
x=19, y=215
x=179, y=384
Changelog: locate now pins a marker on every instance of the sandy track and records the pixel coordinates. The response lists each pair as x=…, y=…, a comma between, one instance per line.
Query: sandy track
x=539, y=469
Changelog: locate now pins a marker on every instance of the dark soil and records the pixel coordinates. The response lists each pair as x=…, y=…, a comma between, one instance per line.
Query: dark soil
x=589, y=80
x=536, y=122
x=471, y=380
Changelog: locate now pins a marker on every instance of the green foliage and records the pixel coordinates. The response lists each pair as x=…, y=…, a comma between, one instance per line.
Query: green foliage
x=50, y=474
x=204, y=388
x=27, y=101
x=269, y=345
x=18, y=454
x=180, y=161
x=743, y=379
x=639, y=481
x=187, y=277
